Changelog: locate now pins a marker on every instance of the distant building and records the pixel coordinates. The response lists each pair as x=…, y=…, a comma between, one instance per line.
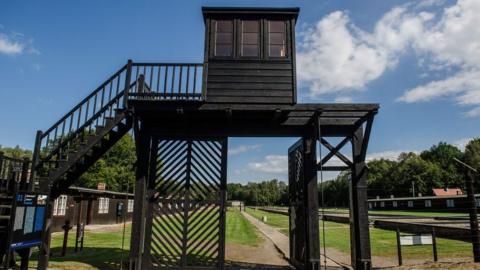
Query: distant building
x=447, y=191
x=457, y=203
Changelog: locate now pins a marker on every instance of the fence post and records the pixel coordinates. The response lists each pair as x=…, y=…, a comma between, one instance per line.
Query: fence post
x=399, y=247
x=66, y=229
x=24, y=177
x=434, y=245
x=35, y=159
x=1, y=163
x=140, y=83
x=127, y=83
x=473, y=215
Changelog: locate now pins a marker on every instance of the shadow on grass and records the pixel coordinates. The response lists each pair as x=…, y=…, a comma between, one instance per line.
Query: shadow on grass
x=231, y=265
x=88, y=258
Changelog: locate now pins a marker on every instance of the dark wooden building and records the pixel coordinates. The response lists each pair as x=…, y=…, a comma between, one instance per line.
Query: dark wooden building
x=453, y=203
x=95, y=207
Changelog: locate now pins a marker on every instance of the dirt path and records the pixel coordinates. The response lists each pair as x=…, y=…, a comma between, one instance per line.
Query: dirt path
x=265, y=253
x=281, y=241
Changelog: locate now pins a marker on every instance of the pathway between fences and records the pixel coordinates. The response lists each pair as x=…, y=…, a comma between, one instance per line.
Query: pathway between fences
x=281, y=241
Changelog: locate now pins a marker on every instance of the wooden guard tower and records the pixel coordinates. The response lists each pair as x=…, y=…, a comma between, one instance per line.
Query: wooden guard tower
x=182, y=116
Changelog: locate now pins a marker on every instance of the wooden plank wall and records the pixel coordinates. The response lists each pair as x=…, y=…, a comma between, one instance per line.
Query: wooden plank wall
x=254, y=82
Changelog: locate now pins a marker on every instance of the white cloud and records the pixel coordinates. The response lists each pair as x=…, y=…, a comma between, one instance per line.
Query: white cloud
x=243, y=149
x=343, y=99
x=461, y=143
x=336, y=56
x=15, y=43
x=10, y=47
x=273, y=164
x=389, y=155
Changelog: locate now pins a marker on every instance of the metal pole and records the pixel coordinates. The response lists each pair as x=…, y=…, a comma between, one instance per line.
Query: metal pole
x=399, y=248
x=434, y=245
x=473, y=216
x=127, y=83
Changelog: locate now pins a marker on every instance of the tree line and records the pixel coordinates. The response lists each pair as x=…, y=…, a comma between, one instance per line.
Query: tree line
x=432, y=168
x=411, y=172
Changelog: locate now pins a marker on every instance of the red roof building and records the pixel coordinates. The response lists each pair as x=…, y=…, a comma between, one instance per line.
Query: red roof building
x=447, y=191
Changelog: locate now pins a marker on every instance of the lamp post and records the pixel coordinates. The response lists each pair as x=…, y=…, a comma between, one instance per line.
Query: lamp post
x=469, y=183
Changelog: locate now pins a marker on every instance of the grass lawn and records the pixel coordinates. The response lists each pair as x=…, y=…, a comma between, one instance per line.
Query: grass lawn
x=275, y=220
x=102, y=250
x=383, y=242
x=239, y=230
x=416, y=213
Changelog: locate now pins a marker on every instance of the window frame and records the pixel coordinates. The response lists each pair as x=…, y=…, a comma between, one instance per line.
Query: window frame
x=130, y=204
x=410, y=204
x=450, y=203
x=267, y=40
x=213, y=26
x=428, y=203
x=60, y=206
x=103, y=205
x=239, y=41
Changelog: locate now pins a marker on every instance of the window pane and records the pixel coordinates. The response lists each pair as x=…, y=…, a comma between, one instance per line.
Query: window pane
x=250, y=50
x=224, y=38
x=250, y=38
x=223, y=50
x=224, y=26
x=277, y=50
x=277, y=26
x=250, y=26
x=277, y=38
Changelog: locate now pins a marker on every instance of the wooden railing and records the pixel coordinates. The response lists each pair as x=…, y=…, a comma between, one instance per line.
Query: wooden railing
x=168, y=81
x=13, y=170
x=162, y=81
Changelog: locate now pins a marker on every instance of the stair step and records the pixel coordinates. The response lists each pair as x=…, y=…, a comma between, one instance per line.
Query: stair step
x=5, y=206
x=4, y=217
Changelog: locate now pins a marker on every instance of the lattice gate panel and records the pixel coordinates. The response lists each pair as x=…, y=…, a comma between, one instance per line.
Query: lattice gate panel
x=297, y=214
x=186, y=216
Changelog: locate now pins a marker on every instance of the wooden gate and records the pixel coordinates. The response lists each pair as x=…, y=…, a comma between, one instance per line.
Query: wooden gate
x=297, y=210
x=185, y=221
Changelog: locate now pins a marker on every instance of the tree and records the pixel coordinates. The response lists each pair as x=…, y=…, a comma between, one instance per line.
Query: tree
x=16, y=152
x=115, y=168
x=472, y=153
x=443, y=154
x=412, y=168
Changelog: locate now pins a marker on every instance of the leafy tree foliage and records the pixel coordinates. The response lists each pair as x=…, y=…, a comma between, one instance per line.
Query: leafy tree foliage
x=271, y=192
x=115, y=168
x=442, y=154
x=16, y=152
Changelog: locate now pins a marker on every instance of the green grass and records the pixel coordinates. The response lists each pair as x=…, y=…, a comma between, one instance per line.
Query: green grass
x=275, y=220
x=239, y=230
x=383, y=242
x=102, y=250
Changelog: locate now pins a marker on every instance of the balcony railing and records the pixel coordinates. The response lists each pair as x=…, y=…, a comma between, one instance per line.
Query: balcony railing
x=168, y=81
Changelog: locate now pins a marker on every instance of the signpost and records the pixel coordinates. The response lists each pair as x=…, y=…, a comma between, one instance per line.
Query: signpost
x=28, y=220
x=415, y=240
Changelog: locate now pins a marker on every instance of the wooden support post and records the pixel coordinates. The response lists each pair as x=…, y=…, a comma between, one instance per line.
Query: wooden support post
x=434, y=245
x=128, y=78
x=399, y=248
x=79, y=233
x=66, y=228
x=142, y=141
x=35, y=159
x=44, y=249
x=359, y=230
x=472, y=210
x=24, y=185
x=311, y=204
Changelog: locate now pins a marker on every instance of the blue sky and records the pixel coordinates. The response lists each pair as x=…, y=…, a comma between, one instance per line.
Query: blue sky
x=420, y=60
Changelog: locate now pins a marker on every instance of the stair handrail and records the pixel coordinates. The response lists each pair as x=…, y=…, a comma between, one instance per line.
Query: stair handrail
x=84, y=118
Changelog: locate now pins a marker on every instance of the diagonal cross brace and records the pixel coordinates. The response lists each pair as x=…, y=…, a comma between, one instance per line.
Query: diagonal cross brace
x=334, y=151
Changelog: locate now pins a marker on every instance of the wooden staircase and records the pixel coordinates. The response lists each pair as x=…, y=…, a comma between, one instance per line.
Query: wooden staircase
x=67, y=149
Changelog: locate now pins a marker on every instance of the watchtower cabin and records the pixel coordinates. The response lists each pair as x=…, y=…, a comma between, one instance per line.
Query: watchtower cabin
x=250, y=55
